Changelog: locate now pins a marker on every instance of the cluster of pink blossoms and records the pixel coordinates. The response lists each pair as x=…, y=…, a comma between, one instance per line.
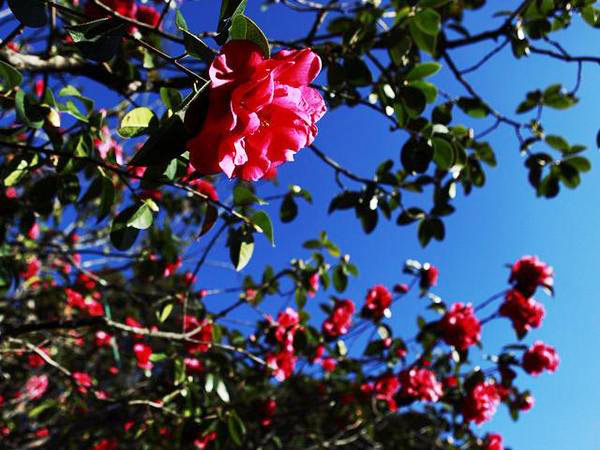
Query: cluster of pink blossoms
x=261, y=111
x=421, y=384
x=459, y=326
x=284, y=330
x=481, y=402
x=528, y=273
x=377, y=302
x=340, y=319
x=525, y=313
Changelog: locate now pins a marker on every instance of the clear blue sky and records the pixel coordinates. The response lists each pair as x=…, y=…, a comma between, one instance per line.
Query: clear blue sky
x=493, y=226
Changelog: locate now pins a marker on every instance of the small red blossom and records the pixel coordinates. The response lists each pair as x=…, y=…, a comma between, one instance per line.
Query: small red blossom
x=329, y=365
x=143, y=352
x=460, y=327
x=528, y=273
x=493, y=442
x=42, y=433
x=313, y=283
x=103, y=339
x=148, y=15
x=130, y=321
x=34, y=232
x=106, y=444
x=35, y=361
x=285, y=328
x=429, y=276
x=526, y=403
x=377, y=302
x=340, y=319
x=480, y=404
x=261, y=111
x=540, y=357
x=401, y=288
x=205, y=187
x=193, y=366
x=202, y=442
x=421, y=384
x=385, y=389
x=525, y=313
x=282, y=364
x=204, y=334
x=267, y=410
x=83, y=381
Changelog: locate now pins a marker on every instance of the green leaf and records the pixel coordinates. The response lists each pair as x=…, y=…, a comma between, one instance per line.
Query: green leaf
x=171, y=98
x=100, y=39
x=443, y=153
x=243, y=196
x=236, y=429
x=196, y=48
x=263, y=220
x=416, y=155
x=340, y=279
x=428, y=21
x=107, y=198
x=357, y=72
x=141, y=218
x=580, y=163
x=180, y=21
x=210, y=217
x=222, y=391
x=423, y=70
x=166, y=312
x=137, y=122
x=428, y=89
x=28, y=111
x=432, y=3
x=121, y=235
x=13, y=177
x=289, y=209
x=243, y=27
x=241, y=247
x=209, y=383
x=473, y=107
x=414, y=100
x=425, y=232
x=31, y=13
x=70, y=91
x=557, y=142
x=11, y=77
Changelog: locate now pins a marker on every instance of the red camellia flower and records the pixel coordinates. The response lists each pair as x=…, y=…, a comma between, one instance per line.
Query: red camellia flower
x=204, y=440
x=313, y=282
x=106, y=444
x=528, y=273
x=378, y=300
x=526, y=403
x=385, y=389
x=285, y=328
x=493, y=442
x=204, y=334
x=401, y=288
x=540, y=357
x=127, y=8
x=460, y=327
x=480, y=404
x=83, y=381
x=282, y=364
x=329, y=365
x=205, y=187
x=193, y=366
x=261, y=111
x=143, y=352
x=340, y=320
x=525, y=313
x=267, y=410
x=103, y=339
x=421, y=384
x=148, y=15
x=429, y=276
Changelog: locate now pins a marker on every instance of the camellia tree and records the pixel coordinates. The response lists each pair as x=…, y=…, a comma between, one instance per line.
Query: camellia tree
x=106, y=340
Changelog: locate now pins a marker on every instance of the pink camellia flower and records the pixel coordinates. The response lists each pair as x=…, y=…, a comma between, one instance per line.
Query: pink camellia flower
x=528, y=273
x=36, y=387
x=460, y=327
x=282, y=364
x=340, y=319
x=429, y=276
x=193, y=366
x=143, y=352
x=261, y=111
x=385, y=389
x=148, y=15
x=378, y=300
x=421, y=384
x=204, y=334
x=493, y=442
x=313, y=282
x=480, y=404
x=103, y=339
x=288, y=322
x=540, y=357
x=525, y=313
x=34, y=232
x=106, y=144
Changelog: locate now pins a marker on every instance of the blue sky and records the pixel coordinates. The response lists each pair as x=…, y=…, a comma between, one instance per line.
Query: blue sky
x=493, y=226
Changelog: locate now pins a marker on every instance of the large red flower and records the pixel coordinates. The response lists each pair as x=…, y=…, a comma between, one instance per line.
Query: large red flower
x=204, y=334
x=525, y=313
x=540, y=357
x=261, y=111
x=460, y=327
